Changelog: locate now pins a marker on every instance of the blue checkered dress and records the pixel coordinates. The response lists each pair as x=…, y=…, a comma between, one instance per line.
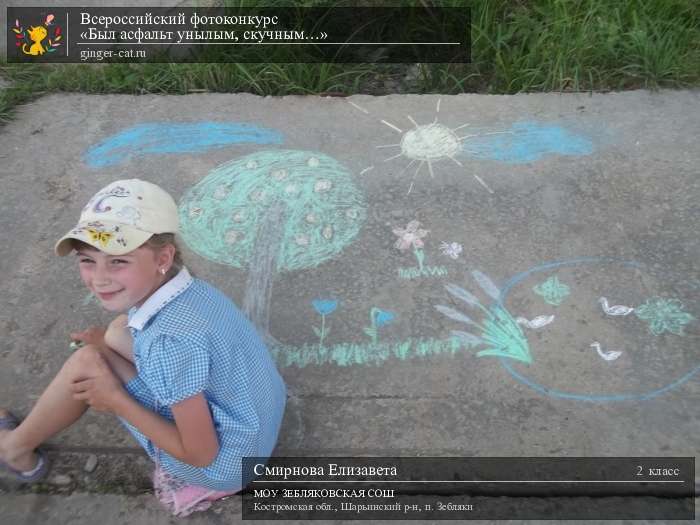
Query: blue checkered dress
x=190, y=338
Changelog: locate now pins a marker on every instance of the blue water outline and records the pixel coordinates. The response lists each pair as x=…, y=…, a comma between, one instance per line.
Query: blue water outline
x=505, y=362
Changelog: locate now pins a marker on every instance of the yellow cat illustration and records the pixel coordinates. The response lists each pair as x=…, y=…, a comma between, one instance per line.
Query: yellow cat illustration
x=36, y=34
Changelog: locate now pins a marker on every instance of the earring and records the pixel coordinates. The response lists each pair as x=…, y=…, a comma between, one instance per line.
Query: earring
x=162, y=271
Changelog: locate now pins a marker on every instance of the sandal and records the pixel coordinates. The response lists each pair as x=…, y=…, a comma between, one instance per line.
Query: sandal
x=10, y=422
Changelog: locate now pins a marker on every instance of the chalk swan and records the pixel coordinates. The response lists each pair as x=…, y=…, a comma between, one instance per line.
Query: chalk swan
x=537, y=322
x=610, y=355
x=614, y=310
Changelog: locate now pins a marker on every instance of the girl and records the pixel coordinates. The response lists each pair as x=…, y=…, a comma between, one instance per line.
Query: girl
x=183, y=370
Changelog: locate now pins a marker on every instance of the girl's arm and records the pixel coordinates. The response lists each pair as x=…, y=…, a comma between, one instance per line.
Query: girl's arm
x=118, y=337
x=192, y=439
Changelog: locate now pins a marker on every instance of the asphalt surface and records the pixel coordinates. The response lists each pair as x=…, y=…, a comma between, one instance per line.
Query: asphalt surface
x=560, y=200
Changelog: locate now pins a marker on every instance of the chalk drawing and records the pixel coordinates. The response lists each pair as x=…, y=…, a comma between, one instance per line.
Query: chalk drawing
x=487, y=284
x=537, y=322
x=272, y=211
x=504, y=342
x=324, y=307
x=674, y=310
x=609, y=355
x=349, y=354
x=616, y=309
x=411, y=236
x=452, y=249
x=378, y=318
x=552, y=291
x=498, y=331
x=664, y=315
x=428, y=271
x=427, y=144
x=157, y=138
x=527, y=142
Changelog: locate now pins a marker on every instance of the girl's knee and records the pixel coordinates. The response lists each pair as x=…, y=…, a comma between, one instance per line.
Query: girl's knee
x=87, y=352
x=84, y=357
x=92, y=358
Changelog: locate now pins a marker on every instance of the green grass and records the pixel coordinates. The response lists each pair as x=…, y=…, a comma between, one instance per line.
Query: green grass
x=350, y=354
x=517, y=46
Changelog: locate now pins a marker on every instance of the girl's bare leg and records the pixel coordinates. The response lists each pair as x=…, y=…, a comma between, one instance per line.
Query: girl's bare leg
x=56, y=409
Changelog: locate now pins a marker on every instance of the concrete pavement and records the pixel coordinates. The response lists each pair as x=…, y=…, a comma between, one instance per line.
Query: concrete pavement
x=559, y=200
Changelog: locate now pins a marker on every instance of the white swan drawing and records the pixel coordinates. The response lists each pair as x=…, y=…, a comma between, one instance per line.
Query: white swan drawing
x=609, y=355
x=537, y=322
x=616, y=309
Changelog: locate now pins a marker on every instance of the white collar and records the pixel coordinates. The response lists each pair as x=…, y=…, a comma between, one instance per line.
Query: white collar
x=138, y=317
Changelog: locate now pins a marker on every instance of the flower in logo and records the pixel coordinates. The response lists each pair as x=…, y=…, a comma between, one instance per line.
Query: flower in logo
x=664, y=315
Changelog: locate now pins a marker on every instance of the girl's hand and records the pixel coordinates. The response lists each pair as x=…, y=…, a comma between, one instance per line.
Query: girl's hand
x=104, y=391
x=94, y=335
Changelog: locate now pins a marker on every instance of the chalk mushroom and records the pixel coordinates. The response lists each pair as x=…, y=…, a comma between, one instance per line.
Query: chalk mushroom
x=272, y=211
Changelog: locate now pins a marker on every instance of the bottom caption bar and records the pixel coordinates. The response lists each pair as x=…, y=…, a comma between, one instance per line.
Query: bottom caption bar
x=468, y=488
x=469, y=508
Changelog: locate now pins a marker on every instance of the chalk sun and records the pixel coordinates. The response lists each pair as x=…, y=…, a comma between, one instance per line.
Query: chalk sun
x=427, y=144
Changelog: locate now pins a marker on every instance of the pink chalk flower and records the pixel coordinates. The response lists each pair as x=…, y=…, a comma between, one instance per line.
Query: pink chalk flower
x=410, y=236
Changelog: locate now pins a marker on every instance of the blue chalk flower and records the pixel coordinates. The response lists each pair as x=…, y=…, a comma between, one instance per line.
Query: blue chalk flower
x=383, y=317
x=377, y=317
x=324, y=306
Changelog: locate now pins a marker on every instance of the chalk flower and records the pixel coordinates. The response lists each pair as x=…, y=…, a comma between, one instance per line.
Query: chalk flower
x=452, y=249
x=410, y=236
x=324, y=306
x=378, y=318
x=383, y=317
x=664, y=315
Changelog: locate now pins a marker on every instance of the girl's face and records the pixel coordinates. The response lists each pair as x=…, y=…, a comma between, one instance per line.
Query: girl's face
x=122, y=281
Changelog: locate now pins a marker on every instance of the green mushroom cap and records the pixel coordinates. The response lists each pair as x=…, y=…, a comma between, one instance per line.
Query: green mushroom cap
x=321, y=209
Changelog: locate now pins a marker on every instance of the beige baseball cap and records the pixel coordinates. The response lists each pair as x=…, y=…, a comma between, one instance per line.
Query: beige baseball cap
x=122, y=216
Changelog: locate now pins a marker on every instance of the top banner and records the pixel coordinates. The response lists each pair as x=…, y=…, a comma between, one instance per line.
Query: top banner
x=272, y=35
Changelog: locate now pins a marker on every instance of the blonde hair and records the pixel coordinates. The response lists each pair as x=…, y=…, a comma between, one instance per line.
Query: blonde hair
x=154, y=243
x=157, y=241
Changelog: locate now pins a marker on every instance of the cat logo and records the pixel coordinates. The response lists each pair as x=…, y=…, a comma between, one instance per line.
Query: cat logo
x=37, y=40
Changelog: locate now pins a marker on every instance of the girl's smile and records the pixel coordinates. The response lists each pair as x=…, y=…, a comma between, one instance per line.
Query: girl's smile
x=106, y=296
x=121, y=281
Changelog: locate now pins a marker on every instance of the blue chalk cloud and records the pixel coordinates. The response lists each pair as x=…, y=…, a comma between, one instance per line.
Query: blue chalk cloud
x=527, y=142
x=169, y=137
